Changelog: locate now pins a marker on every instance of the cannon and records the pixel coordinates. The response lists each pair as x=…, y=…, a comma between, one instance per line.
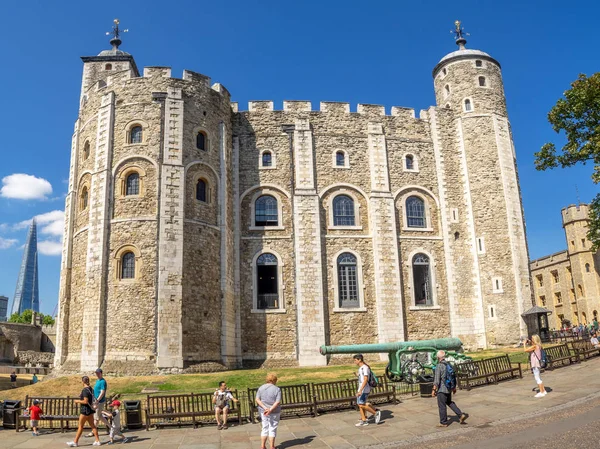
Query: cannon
x=408, y=360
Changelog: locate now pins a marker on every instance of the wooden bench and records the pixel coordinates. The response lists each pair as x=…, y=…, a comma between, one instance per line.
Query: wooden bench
x=296, y=400
x=55, y=410
x=482, y=372
x=560, y=356
x=185, y=409
x=341, y=394
x=584, y=349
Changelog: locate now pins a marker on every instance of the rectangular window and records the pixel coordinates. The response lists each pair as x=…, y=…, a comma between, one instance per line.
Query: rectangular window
x=348, y=286
x=540, y=280
x=555, y=277
x=492, y=312
x=557, y=298
x=543, y=301
x=480, y=245
x=497, y=285
x=583, y=243
x=454, y=214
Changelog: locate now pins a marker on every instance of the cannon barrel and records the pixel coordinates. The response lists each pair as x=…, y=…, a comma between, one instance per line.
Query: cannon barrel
x=447, y=344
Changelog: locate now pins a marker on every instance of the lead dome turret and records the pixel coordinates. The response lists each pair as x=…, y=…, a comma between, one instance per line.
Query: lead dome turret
x=469, y=80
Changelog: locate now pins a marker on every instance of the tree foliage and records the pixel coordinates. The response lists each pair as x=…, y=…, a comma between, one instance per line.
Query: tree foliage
x=25, y=318
x=578, y=116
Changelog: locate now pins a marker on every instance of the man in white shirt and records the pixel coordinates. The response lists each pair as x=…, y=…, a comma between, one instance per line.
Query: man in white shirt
x=363, y=391
x=594, y=341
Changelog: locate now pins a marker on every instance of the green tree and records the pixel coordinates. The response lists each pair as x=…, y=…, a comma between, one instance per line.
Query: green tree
x=578, y=116
x=47, y=320
x=15, y=318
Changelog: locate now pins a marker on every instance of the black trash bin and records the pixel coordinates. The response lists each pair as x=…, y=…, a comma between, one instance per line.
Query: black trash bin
x=9, y=413
x=426, y=386
x=133, y=414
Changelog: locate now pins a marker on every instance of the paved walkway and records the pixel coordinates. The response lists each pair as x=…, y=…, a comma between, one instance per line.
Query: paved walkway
x=411, y=422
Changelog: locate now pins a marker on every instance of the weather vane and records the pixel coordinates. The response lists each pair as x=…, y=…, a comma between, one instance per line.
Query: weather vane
x=459, y=34
x=116, y=33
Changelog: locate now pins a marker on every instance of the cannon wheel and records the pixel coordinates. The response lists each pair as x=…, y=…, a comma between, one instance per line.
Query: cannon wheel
x=413, y=370
x=391, y=376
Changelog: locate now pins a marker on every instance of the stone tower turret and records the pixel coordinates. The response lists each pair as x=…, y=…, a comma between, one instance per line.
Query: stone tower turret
x=586, y=281
x=485, y=220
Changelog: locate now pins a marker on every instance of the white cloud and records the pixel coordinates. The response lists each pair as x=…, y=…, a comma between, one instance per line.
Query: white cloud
x=52, y=222
x=50, y=248
x=7, y=243
x=25, y=187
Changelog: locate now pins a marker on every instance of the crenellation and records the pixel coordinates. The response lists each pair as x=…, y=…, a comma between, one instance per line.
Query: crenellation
x=372, y=109
x=334, y=106
x=157, y=72
x=189, y=75
x=260, y=105
x=399, y=111
x=297, y=106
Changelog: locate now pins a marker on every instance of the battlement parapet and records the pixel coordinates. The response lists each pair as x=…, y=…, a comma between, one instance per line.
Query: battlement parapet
x=575, y=212
x=328, y=107
x=157, y=72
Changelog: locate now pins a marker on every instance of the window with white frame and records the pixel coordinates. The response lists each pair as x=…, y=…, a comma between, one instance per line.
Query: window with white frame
x=482, y=81
x=343, y=211
x=348, y=288
x=454, y=215
x=415, y=212
x=497, y=285
x=480, y=245
x=266, y=212
x=468, y=107
x=266, y=159
x=267, y=282
x=411, y=163
x=421, y=271
x=340, y=159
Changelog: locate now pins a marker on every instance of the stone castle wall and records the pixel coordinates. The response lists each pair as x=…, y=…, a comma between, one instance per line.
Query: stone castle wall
x=193, y=296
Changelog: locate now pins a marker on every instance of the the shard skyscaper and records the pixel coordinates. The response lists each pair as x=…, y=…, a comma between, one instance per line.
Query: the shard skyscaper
x=27, y=294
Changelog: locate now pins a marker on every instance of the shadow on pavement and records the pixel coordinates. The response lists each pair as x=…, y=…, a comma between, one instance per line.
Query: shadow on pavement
x=297, y=442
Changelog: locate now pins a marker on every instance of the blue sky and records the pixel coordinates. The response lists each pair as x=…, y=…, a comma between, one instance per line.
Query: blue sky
x=276, y=50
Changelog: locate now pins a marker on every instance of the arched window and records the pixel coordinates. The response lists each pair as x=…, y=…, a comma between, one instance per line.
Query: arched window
x=108, y=67
x=340, y=159
x=84, y=198
x=347, y=280
x=482, y=81
x=343, y=211
x=128, y=266
x=266, y=281
x=410, y=162
x=444, y=71
x=478, y=63
x=580, y=290
x=135, y=134
x=468, y=107
x=587, y=267
x=86, y=151
x=415, y=212
x=132, y=184
x=267, y=159
x=265, y=211
x=201, y=141
x=447, y=89
x=422, y=280
x=201, y=190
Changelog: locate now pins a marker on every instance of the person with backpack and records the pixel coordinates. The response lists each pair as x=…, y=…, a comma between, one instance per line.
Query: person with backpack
x=366, y=381
x=444, y=384
x=86, y=413
x=537, y=360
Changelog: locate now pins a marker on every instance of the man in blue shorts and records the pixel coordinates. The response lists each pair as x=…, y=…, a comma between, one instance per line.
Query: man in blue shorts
x=363, y=392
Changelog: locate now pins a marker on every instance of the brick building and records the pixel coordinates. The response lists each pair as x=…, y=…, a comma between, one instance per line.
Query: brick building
x=567, y=282
x=196, y=231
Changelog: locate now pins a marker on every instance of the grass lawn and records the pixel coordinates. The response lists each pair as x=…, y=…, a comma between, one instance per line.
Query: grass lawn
x=131, y=387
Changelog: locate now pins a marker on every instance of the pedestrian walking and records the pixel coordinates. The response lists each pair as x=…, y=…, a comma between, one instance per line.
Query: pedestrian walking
x=100, y=387
x=444, y=385
x=86, y=413
x=115, y=422
x=35, y=413
x=534, y=348
x=221, y=400
x=34, y=379
x=268, y=399
x=362, y=394
x=13, y=380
